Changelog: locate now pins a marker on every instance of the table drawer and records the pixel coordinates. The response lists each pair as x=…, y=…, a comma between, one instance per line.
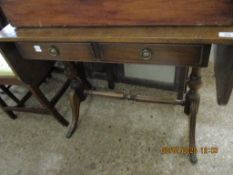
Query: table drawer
x=166, y=54
x=56, y=51
x=155, y=53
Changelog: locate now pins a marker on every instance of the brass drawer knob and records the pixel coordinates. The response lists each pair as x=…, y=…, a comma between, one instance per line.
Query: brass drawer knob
x=53, y=51
x=146, y=54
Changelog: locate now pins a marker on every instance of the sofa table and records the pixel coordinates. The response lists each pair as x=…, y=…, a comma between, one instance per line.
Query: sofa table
x=163, y=45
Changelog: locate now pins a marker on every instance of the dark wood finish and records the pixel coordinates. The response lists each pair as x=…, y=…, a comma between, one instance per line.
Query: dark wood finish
x=224, y=73
x=110, y=75
x=82, y=75
x=3, y=20
x=10, y=94
x=75, y=106
x=7, y=91
x=160, y=35
x=97, y=50
x=100, y=37
x=161, y=54
x=11, y=80
x=30, y=74
x=138, y=98
x=119, y=95
x=46, y=104
x=65, y=13
x=118, y=52
x=66, y=51
x=191, y=108
x=24, y=99
x=75, y=72
x=104, y=71
x=60, y=93
x=3, y=105
x=36, y=92
x=181, y=81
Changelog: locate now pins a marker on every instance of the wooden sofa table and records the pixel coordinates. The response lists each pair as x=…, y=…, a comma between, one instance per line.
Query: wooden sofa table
x=180, y=46
x=132, y=31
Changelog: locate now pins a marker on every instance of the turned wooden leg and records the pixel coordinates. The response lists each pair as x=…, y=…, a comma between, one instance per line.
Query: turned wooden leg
x=191, y=108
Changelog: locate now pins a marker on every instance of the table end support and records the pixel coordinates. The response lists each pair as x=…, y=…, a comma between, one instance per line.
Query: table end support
x=191, y=108
x=79, y=83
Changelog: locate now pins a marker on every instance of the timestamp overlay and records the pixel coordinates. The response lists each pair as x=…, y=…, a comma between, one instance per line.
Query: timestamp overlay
x=189, y=150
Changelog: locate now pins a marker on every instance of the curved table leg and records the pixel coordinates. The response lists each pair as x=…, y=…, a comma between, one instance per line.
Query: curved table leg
x=191, y=109
x=77, y=95
x=75, y=72
x=75, y=105
x=192, y=138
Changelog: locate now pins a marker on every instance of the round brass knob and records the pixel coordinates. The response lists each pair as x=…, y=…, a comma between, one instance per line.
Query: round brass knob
x=146, y=54
x=53, y=51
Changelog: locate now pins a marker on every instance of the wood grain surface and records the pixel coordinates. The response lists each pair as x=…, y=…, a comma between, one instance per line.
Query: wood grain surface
x=182, y=34
x=44, y=13
x=166, y=54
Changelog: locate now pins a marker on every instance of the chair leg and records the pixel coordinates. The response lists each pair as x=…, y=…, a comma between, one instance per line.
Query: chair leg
x=24, y=99
x=9, y=113
x=46, y=104
x=10, y=94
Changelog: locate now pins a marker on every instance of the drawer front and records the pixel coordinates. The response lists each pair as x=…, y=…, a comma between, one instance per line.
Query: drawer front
x=155, y=54
x=166, y=54
x=56, y=51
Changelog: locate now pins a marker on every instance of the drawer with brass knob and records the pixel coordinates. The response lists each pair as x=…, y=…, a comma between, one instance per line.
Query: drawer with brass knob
x=146, y=54
x=53, y=51
x=56, y=51
x=168, y=54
